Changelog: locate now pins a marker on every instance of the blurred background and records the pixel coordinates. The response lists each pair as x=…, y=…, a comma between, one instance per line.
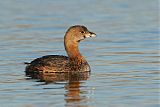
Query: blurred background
x=123, y=57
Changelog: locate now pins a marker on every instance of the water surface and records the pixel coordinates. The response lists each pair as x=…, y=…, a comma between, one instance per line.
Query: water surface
x=124, y=57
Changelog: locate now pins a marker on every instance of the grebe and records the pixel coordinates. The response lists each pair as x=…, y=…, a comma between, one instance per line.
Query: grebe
x=58, y=63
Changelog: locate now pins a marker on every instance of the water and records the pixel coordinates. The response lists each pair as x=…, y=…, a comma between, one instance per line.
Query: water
x=124, y=57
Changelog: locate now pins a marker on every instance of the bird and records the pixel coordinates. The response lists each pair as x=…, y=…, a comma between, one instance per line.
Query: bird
x=74, y=62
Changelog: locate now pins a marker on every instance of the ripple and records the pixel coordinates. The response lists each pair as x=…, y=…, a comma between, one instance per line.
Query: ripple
x=124, y=57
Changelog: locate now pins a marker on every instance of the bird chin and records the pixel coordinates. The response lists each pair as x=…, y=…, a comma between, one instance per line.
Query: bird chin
x=80, y=40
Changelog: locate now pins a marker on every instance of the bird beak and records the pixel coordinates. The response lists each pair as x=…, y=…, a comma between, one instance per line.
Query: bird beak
x=90, y=34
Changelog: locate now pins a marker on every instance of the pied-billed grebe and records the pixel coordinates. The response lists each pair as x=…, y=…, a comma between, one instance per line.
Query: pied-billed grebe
x=57, y=63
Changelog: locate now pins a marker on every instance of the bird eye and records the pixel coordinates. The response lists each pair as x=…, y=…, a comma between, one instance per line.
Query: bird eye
x=82, y=32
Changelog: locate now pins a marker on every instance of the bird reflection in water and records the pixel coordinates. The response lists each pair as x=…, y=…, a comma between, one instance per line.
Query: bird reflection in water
x=73, y=95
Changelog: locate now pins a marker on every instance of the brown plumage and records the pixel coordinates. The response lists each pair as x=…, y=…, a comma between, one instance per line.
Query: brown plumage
x=57, y=63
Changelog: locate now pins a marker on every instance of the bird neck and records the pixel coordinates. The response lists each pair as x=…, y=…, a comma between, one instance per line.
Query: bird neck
x=73, y=52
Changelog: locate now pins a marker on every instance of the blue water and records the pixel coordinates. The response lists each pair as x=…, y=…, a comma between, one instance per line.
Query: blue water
x=124, y=56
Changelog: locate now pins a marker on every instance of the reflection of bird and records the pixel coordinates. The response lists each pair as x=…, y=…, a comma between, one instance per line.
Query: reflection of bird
x=73, y=92
x=75, y=97
x=65, y=76
x=57, y=63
